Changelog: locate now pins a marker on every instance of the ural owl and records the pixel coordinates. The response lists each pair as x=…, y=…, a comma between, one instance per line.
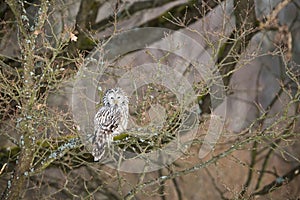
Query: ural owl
x=110, y=120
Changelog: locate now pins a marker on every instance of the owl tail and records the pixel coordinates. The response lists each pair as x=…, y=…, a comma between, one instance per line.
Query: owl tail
x=98, y=150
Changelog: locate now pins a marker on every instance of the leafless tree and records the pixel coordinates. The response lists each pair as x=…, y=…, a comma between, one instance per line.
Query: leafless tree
x=46, y=44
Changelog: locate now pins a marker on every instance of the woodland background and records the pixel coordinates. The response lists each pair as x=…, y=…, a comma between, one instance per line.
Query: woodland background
x=255, y=47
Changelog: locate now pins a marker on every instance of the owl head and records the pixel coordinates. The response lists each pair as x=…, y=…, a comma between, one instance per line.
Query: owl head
x=115, y=97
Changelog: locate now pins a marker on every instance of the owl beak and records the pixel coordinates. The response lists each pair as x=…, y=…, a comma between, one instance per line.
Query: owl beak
x=116, y=102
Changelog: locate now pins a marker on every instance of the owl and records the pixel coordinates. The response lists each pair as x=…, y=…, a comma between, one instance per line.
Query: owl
x=110, y=120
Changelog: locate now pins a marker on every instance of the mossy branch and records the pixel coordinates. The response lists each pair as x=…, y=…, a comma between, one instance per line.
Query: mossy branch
x=28, y=94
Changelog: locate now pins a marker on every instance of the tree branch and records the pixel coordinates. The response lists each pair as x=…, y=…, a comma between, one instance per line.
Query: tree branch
x=27, y=42
x=230, y=53
x=278, y=182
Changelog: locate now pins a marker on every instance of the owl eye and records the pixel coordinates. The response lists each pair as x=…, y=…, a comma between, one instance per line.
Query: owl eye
x=118, y=97
x=111, y=97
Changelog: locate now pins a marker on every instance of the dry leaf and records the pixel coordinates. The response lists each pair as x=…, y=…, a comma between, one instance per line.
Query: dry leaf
x=73, y=37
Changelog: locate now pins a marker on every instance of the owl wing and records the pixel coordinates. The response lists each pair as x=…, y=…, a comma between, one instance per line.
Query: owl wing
x=106, y=121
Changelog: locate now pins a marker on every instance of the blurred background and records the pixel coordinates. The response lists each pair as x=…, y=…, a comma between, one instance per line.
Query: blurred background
x=250, y=45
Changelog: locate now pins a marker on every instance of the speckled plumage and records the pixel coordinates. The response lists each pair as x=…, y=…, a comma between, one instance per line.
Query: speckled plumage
x=110, y=120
